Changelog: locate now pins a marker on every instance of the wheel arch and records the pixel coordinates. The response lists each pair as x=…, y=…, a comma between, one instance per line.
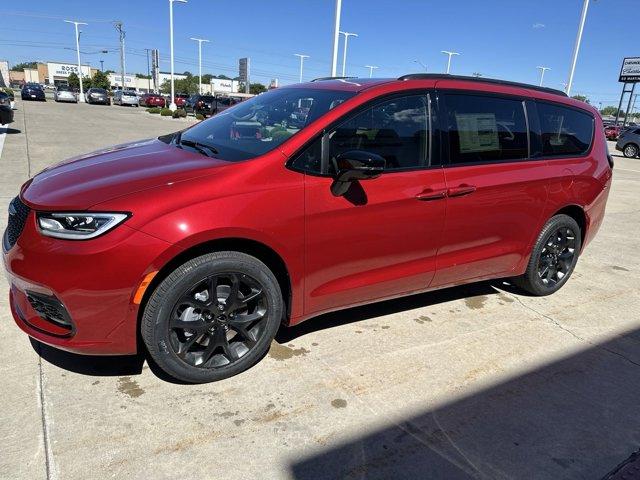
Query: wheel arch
x=257, y=249
x=578, y=214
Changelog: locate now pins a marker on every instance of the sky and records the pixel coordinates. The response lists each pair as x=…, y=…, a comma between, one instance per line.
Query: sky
x=504, y=39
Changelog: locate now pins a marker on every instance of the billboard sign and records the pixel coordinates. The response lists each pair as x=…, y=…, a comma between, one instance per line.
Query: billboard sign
x=630, y=71
x=243, y=70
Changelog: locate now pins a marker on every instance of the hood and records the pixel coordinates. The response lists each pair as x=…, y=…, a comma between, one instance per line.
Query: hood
x=84, y=181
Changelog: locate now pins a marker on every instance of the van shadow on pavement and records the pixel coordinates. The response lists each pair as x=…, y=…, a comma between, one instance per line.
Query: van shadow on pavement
x=576, y=418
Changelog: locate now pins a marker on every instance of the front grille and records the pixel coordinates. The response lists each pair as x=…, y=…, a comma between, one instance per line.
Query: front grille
x=50, y=309
x=18, y=213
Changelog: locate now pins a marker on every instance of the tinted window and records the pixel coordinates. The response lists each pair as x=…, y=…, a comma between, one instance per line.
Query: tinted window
x=397, y=130
x=486, y=129
x=565, y=131
x=263, y=122
x=98, y=90
x=310, y=159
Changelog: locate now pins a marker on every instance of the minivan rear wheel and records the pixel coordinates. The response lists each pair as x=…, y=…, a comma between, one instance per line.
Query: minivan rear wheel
x=630, y=150
x=553, y=258
x=212, y=317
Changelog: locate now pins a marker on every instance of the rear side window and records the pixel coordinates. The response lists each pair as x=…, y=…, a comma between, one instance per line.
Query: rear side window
x=565, y=131
x=486, y=129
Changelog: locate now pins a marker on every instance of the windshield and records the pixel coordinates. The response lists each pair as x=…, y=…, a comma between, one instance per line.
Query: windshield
x=64, y=88
x=260, y=124
x=98, y=90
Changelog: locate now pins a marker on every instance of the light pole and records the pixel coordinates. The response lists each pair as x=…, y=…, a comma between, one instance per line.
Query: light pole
x=199, y=40
x=302, y=57
x=576, y=48
x=542, y=70
x=371, y=68
x=336, y=38
x=451, y=54
x=344, y=53
x=172, y=105
x=421, y=64
x=81, y=99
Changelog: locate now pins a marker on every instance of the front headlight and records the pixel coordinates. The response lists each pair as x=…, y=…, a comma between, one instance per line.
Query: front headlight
x=78, y=226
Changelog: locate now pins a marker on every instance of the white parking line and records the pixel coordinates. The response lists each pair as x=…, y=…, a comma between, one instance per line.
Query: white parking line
x=2, y=137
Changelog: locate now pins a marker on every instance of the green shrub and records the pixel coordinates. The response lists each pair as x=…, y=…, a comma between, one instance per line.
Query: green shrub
x=180, y=113
x=153, y=110
x=166, y=112
x=199, y=116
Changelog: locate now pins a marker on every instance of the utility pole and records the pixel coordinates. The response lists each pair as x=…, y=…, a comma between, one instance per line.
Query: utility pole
x=172, y=105
x=542, y=70
x=148, y=70
x=302, y=57
x=371, y=68
x=199, y=40
x=122, y=34
x=81, y=97
x=576, y=48
x=344, y=53
x=336, y=38
x=451, y=54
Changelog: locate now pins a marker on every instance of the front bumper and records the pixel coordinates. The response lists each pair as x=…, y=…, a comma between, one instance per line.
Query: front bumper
x=94, y=282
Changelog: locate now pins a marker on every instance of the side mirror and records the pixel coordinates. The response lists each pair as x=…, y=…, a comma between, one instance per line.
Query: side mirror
x=355, y=165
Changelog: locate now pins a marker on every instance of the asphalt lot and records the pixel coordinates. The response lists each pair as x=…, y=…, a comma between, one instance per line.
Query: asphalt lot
x=471, y=382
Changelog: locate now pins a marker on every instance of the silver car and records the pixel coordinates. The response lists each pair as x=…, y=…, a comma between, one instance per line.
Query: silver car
x=629, y=142
x=126, y=97
x=65, y=93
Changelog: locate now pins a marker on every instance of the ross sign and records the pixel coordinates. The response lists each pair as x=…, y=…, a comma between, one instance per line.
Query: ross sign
x=630, y=71
x=58, y=71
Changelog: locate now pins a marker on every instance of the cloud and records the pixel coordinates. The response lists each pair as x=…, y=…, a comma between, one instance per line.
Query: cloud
x=538, y=25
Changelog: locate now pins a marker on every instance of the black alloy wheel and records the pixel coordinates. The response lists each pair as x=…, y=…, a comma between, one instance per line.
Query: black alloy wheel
x=553, y=258
x=212, y=317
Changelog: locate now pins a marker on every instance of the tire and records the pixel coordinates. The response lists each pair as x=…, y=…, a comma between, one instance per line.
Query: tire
x=630, y=150
x=553, y=257
x=183, y=317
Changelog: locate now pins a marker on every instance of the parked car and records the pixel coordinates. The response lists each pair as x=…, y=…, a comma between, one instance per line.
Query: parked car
x=612, y=132
x=64, y=93
x=32, y=91
x=180, y=98
x=152, y=100
x=98, y=96
x=126, y=97
x=6, y=112
x=9, y=92
x=201, y=243
x=199, y=104
x=629, y=142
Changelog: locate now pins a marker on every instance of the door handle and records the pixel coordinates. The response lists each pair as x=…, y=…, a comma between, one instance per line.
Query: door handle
x=461, y=190
x=430, y=194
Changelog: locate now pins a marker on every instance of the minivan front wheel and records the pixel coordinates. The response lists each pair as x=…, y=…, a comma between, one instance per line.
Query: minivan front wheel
x=212, y=317
x=630, y=150
x=553, y=258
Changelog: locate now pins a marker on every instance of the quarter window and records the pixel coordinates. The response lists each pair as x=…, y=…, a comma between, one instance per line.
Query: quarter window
x=397, y=129
x=486, y=129
x=565, y=131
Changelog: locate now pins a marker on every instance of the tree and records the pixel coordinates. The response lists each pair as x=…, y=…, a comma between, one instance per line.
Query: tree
x=100, y=80
x=140, y=75
x=73, y=80
x=184, y=85
x=582, y=98
x=21, y=66
x=611, y=110
x=206, y=78
x=257, y=88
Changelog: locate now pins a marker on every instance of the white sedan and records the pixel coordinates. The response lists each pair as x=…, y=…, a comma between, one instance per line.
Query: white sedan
x=64, y=93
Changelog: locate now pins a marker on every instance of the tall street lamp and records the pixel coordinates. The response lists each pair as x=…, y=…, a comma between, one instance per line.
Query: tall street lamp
x=302, y=57
x=81, y=99
x=199, y=40
x=344, y=53
x=172, y=105
x=542, y=70
x=336, y=38
x=451, y=54
x=371, y=68
x=576, y=48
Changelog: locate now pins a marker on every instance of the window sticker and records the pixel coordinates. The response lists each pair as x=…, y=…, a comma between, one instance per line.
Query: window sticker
x=478, y=132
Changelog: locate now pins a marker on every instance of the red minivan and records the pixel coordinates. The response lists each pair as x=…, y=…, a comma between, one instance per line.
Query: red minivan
x=198, y=245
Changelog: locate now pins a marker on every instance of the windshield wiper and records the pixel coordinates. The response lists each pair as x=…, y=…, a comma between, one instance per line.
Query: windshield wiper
x=203, y=148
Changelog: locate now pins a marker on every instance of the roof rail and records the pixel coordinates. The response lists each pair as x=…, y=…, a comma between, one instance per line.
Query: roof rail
x=320, y=79
x=444, y=76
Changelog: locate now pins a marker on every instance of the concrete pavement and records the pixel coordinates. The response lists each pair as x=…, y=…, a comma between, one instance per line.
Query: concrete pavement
x=471, y=382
